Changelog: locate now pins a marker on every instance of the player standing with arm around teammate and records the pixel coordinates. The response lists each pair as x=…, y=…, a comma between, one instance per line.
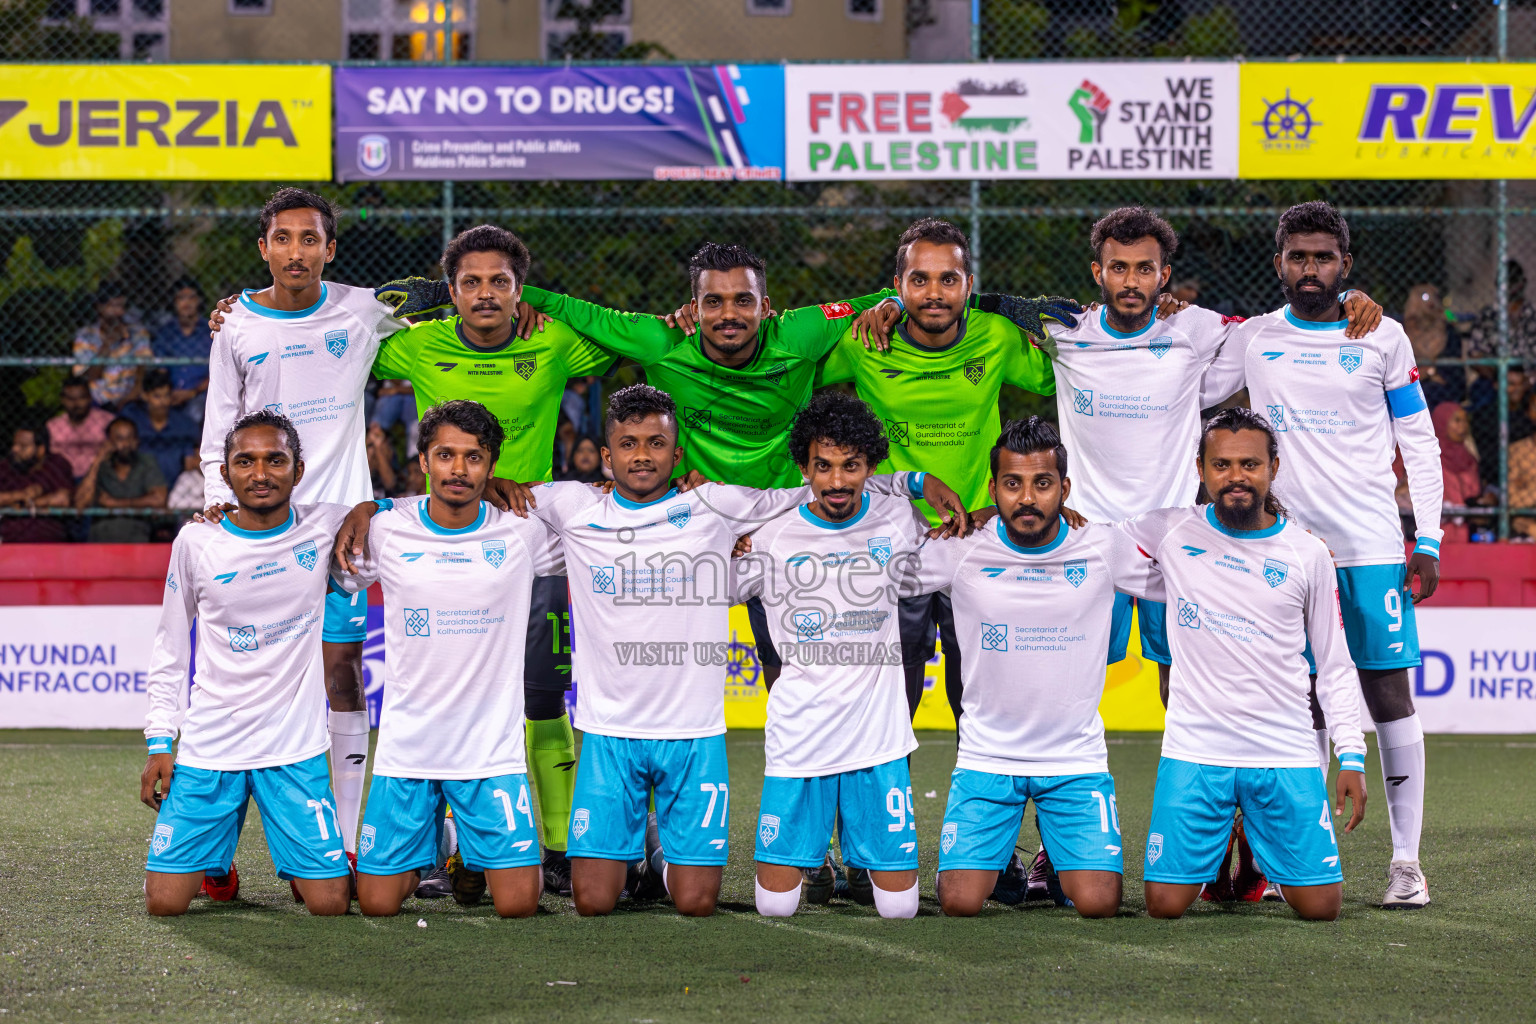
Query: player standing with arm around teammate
x=1033, y=604
x=1247, y=589
x=1339, y=409
x=838, y=733
x=255, y=724
x=457, y=576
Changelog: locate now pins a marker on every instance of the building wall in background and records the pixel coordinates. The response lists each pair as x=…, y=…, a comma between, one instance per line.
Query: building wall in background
x=294, y=30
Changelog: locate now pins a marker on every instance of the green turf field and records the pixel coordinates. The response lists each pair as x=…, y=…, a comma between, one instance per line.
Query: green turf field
x=75, y=942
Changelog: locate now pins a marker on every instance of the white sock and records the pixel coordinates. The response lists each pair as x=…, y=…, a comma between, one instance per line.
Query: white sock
x=896, y=904
x=349, y=767
x=664, y=883
x=1323, y=756
x=1402, y=770
x=449, y=841
x=778, y=904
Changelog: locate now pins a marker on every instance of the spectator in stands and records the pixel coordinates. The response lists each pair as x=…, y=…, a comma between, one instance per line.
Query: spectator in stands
x=34, y=478
x=186, y=336
x=1458, y=468
x=165, y=432
x=586, y=463
x=121, y=477
x=581, y=405
x=78, y=432
x=396, y=403
x=112, y=337
x=1434, y=338
x=1187, y=290
x=414, y=481
x=381, y=463
x=1522, y=472
x=187, y=491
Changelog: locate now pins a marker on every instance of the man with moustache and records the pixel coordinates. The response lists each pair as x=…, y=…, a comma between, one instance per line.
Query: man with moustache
x=123, y=477
x=33, y=478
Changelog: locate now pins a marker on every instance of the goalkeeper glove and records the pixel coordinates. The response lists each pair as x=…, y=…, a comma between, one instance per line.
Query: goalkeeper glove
x=1028, y=314
x=413, y=296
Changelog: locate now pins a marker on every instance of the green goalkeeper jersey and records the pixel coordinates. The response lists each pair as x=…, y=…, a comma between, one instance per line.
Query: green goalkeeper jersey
x=939, y=405
x=520, y=382
x=733, y=421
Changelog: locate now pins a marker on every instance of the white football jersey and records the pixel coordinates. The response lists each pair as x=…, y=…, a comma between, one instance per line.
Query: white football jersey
x=1242, y=606
x=1129, y=409
x=651, y=593
x=258, y=599
x=311, y=366
x=830, y=593
x=1339, y=407
x=455, y=628
x=1034, y=625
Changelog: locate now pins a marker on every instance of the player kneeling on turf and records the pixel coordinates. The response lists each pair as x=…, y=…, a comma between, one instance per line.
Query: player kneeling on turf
x=1247, y=590
x=457, y=577
x=1034, y=605
x=838, y=732
x=254, y=726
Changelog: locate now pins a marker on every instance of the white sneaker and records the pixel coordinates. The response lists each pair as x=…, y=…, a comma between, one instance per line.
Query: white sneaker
x=1272, y=893
x=1406, y=887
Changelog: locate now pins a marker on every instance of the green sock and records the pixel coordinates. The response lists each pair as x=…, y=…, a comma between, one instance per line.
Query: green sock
x=552, y=770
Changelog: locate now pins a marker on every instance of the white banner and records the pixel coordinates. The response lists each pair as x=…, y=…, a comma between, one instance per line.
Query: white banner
x=1479, y=670
x=76, y=666
x=994, y=121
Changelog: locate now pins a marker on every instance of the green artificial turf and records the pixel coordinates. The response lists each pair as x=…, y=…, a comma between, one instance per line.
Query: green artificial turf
x=75, y=942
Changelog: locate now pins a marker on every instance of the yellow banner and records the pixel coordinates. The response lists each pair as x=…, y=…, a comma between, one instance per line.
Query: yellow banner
x=172, y=122
x=1408, y=120
x=1130, y=699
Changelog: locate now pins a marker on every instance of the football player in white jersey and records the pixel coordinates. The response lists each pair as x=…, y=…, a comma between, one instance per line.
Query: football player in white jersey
x=839, y=730
x=458, y=577
x=1248, y=589
x=254, y=725
x=1034, y=603
x=304, y=347
x=1339, y=409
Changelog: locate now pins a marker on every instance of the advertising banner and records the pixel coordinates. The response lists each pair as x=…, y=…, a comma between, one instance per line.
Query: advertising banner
x=1399, y=120
x=175, y=122
x=723, y=123
x=995, y=121
x=76, y=666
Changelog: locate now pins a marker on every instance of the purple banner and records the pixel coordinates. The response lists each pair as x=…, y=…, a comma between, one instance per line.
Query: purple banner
x=723, y=122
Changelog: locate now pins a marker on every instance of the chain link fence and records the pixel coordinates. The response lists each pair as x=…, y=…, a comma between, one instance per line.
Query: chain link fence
x=1428, y=251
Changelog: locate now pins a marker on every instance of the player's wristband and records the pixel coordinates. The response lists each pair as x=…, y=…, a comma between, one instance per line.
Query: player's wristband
x=382, y=505
x=1427, y=546
x=915, y=484
x=1351, y=762
x=159, y=744
x=899, y=304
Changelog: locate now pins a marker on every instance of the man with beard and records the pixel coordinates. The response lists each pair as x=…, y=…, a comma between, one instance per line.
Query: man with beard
x=1339, y=410
x=121, y=477
x=1247, y=590
x=33, y=478
x=77, y=433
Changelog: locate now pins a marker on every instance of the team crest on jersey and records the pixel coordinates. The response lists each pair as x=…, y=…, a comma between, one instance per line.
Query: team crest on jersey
x=306, y=555
x=602, y=579
x=697, y=419
x=242, y=639
x=1277, y=417
x=494, y=552
x=336, y=343
x=1350, y=357
x=1159, y=346
x=776, y=374
x=1189, y=614
x=768, y=828
x=162, y=838
x=365, y=840
x=276, y=407
x=418, y=622
x=1082, y=402
x=948, y=836
x=581, y=820
x=807, y=626
x=678, y=515
x=1154, y=847
x=896, y=431
x=975, y=369
x=1274, y=571
x=880, y=548
x=994, y=636
x=1075, y=571
x=525, y=365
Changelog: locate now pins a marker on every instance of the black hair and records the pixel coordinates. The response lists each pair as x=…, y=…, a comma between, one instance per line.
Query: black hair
x=74, y=381
x=714, y=256
x=265, y=418
x=841, y=420
x=487, y=238
x=1026, y=437
x=109, y=290
x=122, y=419
x=636, y=402
x=39, y=432
x=1130, y=224
x=470, y=417
x=290, y=198
x=1239, y=419
x=939, y=232
x=1315, y=217
x=185, y=283
x=155, y=377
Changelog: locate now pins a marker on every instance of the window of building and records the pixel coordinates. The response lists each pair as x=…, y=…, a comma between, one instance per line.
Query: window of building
x=250, y=7
x=586, y=29
x=770, y=8
x=143, y=27
x=408, y=29
x=863, y=10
